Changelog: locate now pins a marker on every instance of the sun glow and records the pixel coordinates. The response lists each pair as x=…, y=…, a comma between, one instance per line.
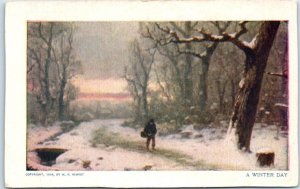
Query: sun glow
x=107, y=89
x=100, y=85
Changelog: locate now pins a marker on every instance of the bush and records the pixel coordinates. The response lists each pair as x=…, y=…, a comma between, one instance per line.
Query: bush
x=67, y=126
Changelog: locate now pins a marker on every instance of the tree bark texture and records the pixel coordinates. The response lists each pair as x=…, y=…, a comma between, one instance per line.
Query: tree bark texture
x=248, y=95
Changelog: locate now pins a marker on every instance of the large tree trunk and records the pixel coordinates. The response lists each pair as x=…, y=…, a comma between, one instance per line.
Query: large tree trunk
x=47, y=105
x=188, y=83
x=203, y=75
x=250, y=85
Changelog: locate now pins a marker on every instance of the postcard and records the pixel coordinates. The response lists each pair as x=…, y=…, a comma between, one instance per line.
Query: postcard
x=151, y=94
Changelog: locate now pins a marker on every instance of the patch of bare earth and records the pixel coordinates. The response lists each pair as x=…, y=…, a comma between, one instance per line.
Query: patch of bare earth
x=35, y=138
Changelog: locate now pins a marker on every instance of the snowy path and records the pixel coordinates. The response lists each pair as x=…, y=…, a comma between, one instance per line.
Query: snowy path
x=210, y=147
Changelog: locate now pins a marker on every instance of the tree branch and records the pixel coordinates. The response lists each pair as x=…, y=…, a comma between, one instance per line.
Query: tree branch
x=131, y=82
x=284, y=74
x=56, y=63
x=158, y=41
x=161, y=86
x=207, y=36
x=178, y=28
x=30, y=68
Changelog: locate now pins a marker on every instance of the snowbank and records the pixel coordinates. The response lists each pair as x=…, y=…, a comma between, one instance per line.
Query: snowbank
x=208, y=145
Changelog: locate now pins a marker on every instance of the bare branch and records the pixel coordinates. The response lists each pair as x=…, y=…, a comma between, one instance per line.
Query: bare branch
x=178, y=28
x=56, y=63
x=34, y=55
x=137, y=76
x=41, y=35
x=195, y=24
x=158, y=41
x=284, y=74
x=70, y=43
x=131, y=83
x=219, y=27
x=216, y=24
x=30, y=68
x=207, y=36
x=161, y=86
x=243, y=30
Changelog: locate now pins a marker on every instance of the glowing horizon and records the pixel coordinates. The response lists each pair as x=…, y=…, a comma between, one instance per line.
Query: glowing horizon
x=104, y=89
x=100, y=85
x=108, y=89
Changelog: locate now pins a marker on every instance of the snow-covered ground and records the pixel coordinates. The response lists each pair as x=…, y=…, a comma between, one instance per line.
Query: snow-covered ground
x=211, y=146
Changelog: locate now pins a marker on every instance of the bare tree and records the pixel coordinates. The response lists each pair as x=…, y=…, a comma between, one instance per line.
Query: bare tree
x=187, y=50
x=138, y=77
x=225, y=75
x=257, y=53
x=186, y=30
x=40, y=51
x=67, y=66
x=180, y=72
x=51, y=64
x=134, y=91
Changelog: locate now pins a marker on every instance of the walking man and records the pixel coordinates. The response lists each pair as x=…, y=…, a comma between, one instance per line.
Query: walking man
x=150, y=131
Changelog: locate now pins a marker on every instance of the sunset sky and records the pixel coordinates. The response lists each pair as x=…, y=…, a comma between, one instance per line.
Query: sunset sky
x=100, y=85
x=102, y=48
x=103, y=89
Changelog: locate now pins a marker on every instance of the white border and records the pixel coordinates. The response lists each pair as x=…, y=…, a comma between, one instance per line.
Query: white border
x=17, y=14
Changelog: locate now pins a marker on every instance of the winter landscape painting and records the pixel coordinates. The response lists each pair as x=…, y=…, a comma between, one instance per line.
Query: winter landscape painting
x=207, y=95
